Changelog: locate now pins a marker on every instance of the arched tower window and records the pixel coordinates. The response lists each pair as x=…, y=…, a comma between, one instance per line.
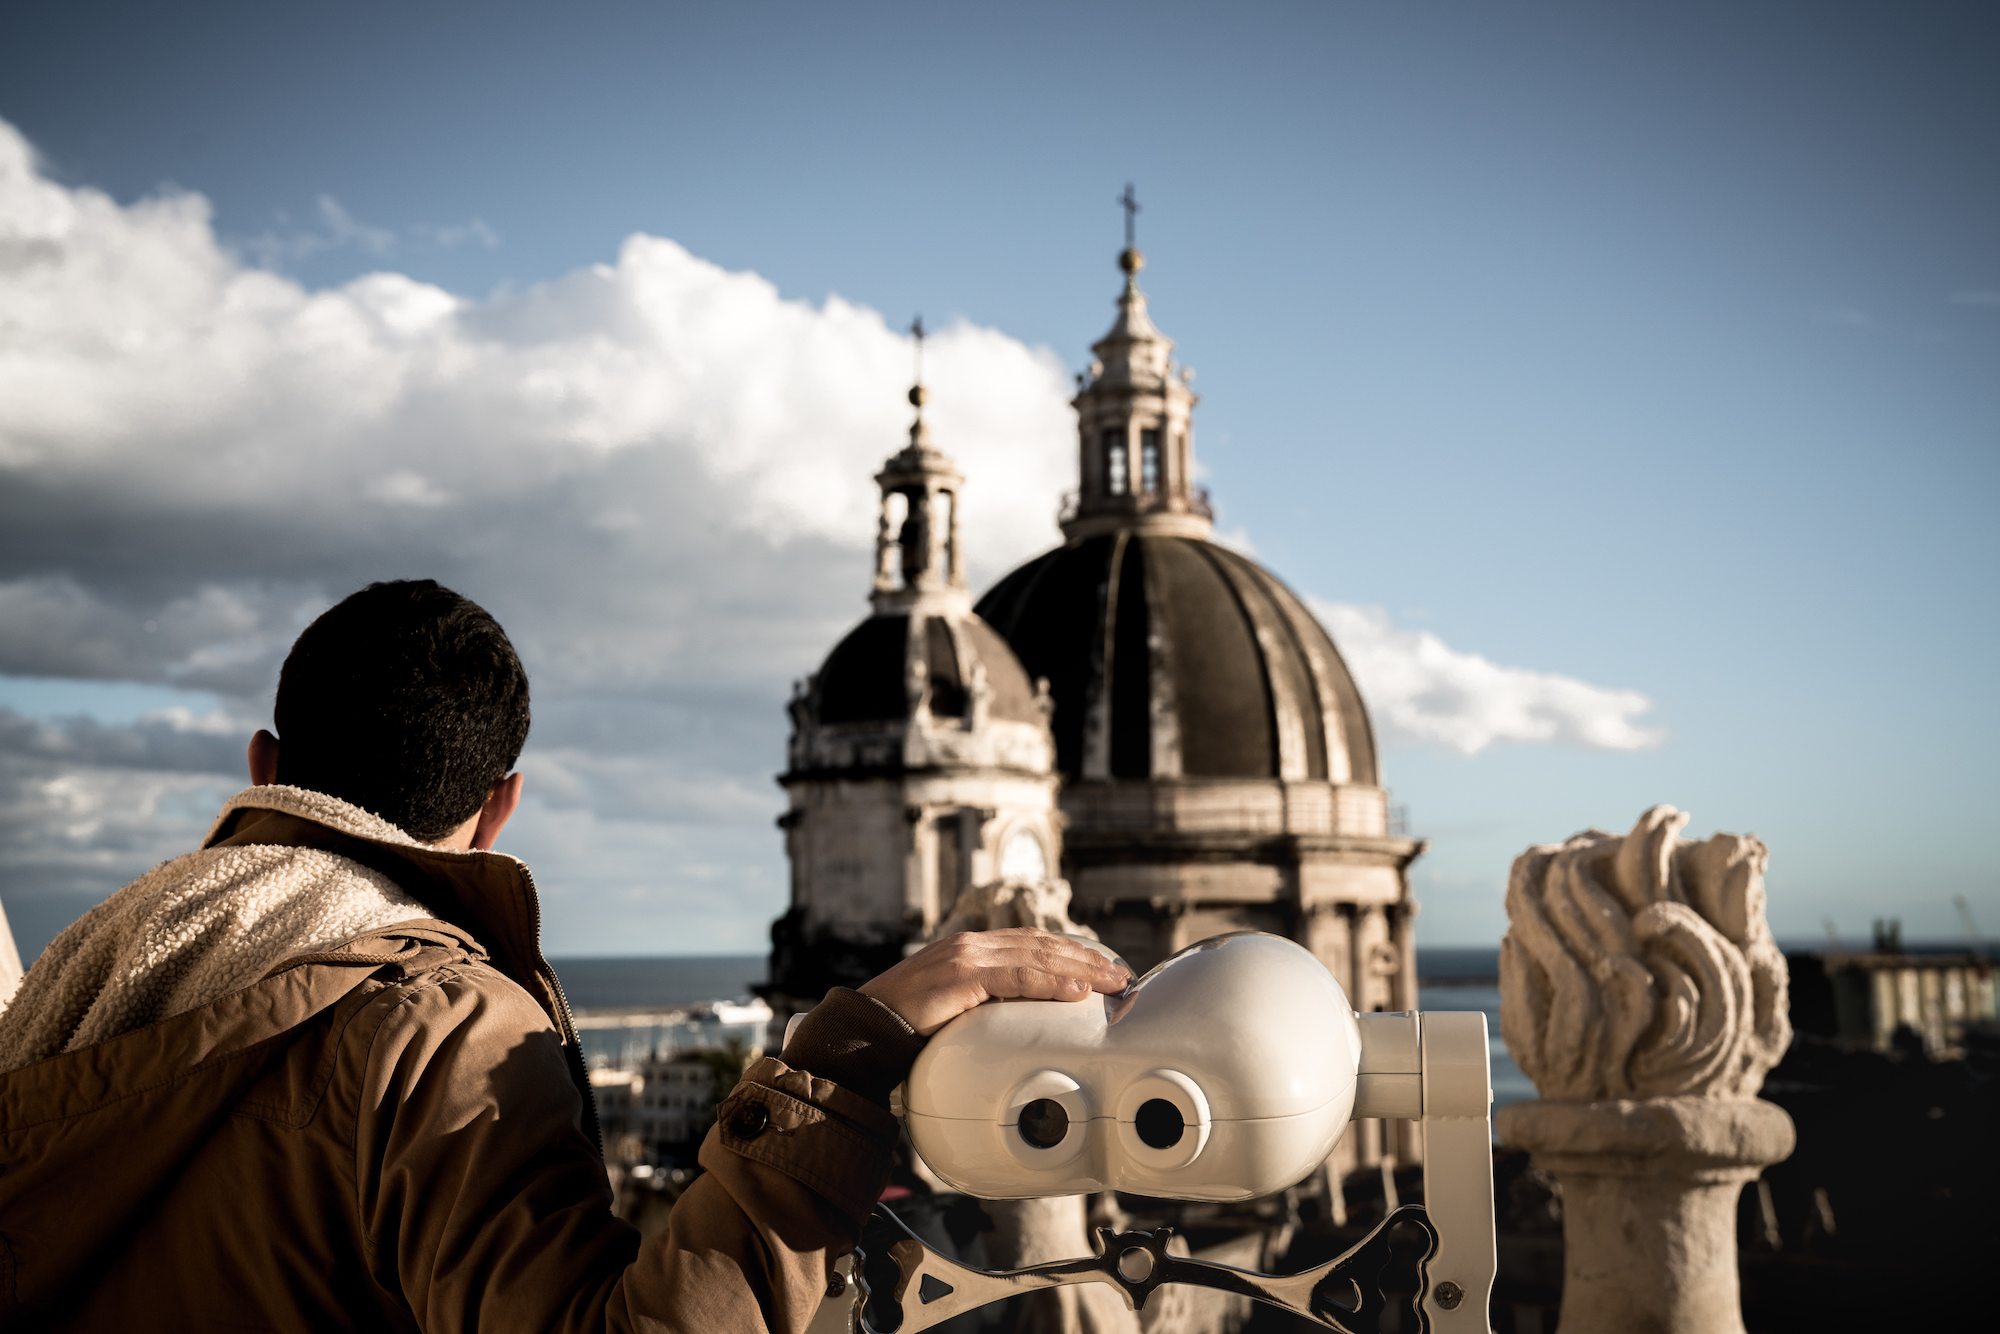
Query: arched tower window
x=947, y=521
x=1149, y=462
x=915, y=537
x=1117, y=467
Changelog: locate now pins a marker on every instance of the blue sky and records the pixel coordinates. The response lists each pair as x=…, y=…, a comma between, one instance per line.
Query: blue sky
x=1651, y=349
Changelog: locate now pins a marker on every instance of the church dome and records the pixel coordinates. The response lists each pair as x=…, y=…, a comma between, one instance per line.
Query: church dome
x=866, y=677
x=1168, y=656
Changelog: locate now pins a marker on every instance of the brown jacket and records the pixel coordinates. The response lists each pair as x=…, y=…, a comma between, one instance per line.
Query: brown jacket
x=396, y=1135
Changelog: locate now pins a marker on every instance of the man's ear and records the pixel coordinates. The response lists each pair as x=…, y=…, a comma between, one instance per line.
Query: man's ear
x=493, y=816
x=263, y=759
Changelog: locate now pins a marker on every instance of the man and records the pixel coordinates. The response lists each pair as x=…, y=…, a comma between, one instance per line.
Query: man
x=318, y=1075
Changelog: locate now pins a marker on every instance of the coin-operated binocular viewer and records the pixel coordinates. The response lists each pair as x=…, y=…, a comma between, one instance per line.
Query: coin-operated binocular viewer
x=1227, y=1072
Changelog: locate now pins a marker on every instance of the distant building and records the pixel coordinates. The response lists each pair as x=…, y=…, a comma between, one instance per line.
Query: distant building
x=666, y=1103
x=657, y=1074
x=1863, y=997
x=620, y=1039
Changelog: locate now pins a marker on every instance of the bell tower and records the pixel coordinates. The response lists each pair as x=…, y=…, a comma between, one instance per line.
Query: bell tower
x=919, y=565
x=921, y=765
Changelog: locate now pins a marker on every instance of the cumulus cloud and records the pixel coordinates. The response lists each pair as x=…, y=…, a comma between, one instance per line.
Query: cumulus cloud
x=656, y=472
x=85, y=806
x=1419, y=689
x=674, y=442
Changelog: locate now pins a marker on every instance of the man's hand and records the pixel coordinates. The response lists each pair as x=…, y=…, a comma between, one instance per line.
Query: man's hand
x=948, y=977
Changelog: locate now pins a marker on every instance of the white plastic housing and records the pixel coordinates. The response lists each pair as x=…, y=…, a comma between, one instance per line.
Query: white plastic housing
x=1248, y=1037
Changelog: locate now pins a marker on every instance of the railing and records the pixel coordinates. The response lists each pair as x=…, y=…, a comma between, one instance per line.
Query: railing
x=1137, y=502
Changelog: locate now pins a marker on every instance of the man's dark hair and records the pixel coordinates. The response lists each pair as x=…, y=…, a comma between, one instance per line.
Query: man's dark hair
x=406, y=700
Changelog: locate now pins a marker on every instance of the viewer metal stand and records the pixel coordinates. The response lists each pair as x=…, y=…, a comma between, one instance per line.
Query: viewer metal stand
x=907, y=1287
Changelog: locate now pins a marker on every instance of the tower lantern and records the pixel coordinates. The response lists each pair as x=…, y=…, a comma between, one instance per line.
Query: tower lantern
x=918, y=561
x=1134, y=419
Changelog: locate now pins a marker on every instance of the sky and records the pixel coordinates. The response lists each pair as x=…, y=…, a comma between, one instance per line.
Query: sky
x=1619, y=383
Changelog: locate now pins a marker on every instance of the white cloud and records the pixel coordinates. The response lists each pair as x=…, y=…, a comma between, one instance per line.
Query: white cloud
x=446, y=238
x=339, y=229
x=656, y=472
x=677, y=444
x=403, y=487
x=1419, y=689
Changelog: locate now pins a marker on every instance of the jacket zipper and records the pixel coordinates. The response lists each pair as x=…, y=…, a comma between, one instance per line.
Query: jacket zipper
x=567, y=1021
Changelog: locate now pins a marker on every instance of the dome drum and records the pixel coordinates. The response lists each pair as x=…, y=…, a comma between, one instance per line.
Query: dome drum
x=1247, y=807
x=1152, y=899
x=876, y=860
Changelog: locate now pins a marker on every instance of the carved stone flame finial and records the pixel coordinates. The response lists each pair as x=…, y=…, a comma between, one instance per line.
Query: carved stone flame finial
x=1642, y=966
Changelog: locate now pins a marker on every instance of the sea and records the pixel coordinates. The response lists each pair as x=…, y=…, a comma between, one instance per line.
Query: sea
x=659, y=982
x=1447, y=979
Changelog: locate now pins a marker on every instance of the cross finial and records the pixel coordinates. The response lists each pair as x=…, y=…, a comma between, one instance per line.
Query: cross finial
x=917, y=386
x=1130, y=200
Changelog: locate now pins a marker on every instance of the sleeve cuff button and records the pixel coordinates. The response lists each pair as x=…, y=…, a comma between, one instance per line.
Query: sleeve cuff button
x=749, y=1121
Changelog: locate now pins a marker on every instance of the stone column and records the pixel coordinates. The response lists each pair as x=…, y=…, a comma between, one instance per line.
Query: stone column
x=1641, y=991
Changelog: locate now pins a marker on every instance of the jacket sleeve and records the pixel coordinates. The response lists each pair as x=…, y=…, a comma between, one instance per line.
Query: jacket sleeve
x=483, y=1205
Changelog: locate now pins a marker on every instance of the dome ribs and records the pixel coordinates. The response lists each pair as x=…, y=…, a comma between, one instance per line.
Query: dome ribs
x=1013, y=693
x=1297, y=702
x=1179, y=659
x=1350, y=737
x=1286, y=692
x=1132, y=667
x=947, y=678
x=1164, y=719
x=866, y=677
x=1002, y=606
x=862, y=680
x=1173, y=657
x=1221, y=687
x=1102, y=680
